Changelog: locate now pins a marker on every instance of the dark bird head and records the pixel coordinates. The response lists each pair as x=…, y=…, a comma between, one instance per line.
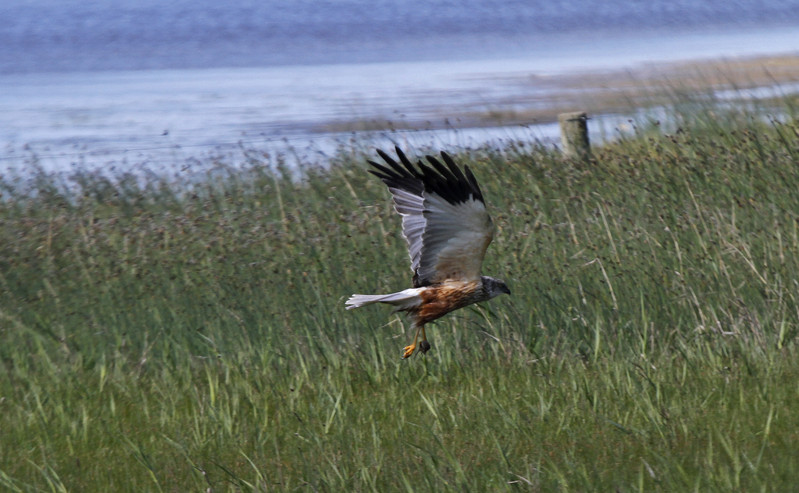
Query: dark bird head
x=494, y=287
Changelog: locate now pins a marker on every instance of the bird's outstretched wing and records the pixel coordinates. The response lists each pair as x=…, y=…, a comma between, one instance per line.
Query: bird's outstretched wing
x=444, y=218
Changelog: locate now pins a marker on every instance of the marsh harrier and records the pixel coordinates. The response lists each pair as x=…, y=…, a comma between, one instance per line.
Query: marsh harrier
x=448, y=229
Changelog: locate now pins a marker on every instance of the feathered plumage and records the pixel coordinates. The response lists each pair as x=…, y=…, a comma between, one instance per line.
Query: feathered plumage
x=448, y=229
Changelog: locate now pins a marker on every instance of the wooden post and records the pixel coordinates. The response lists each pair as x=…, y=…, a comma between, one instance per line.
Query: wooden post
x=574, y=135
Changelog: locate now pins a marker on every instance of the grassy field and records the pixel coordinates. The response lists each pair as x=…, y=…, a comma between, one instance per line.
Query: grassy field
x=164, y=337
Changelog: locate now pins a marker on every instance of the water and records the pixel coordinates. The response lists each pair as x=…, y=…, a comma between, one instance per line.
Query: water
x=105, y=83
x=78, y=35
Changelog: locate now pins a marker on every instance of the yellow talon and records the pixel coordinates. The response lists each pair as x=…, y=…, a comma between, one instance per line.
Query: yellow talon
x=425, y=346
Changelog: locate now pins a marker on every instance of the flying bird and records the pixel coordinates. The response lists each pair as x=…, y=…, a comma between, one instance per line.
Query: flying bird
x=447, y=227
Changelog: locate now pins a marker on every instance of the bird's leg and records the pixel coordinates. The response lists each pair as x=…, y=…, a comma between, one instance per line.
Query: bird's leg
x=424, y=346
x=410, y=349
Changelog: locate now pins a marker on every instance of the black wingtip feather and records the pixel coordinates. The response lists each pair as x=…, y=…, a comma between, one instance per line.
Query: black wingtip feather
x=444, y=179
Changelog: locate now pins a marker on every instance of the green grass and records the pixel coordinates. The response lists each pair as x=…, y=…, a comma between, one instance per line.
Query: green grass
x=157, y=337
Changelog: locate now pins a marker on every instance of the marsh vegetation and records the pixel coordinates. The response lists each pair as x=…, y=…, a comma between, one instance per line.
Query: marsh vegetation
x=159, y=337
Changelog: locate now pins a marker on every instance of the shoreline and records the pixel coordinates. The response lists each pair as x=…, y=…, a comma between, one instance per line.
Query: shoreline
x=613, y=91
x=168, y=120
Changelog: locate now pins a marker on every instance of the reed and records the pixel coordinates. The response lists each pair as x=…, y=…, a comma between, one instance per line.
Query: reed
x=158, y=337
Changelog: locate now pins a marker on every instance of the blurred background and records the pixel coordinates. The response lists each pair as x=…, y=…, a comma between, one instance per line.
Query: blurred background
x=171, y=84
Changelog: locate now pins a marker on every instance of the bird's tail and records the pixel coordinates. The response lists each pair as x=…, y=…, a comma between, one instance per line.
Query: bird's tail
x=402, y=299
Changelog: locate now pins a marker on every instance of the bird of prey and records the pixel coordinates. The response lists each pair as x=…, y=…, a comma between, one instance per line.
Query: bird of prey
x=447, y=227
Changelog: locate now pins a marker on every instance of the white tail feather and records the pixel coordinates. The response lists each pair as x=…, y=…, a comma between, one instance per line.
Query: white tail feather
x=402, y=299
